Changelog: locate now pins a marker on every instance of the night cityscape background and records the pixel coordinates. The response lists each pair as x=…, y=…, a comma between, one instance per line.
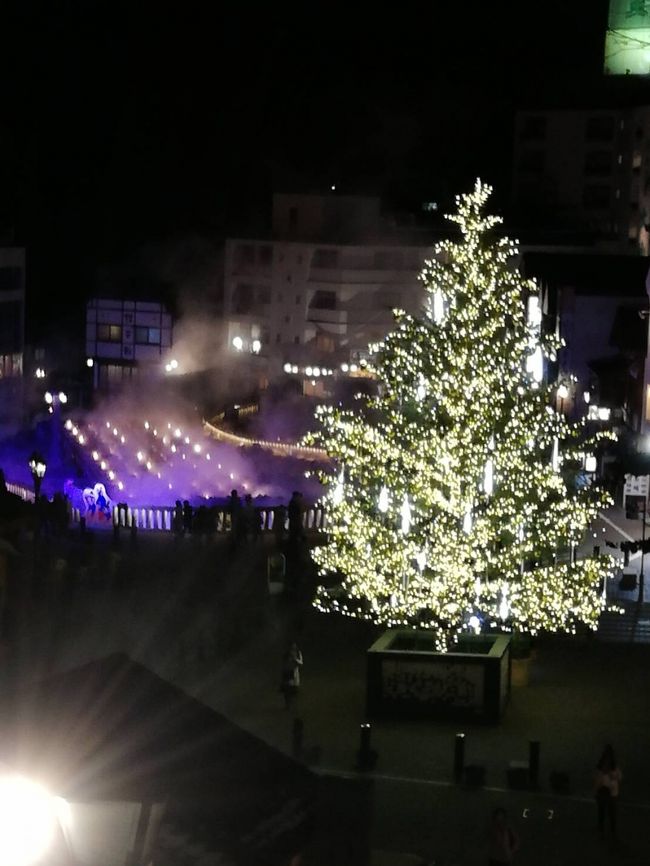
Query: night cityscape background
x=250, y=374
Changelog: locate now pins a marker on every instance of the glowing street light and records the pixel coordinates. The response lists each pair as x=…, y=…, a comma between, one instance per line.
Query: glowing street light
x=37, y=467
x=238, y=343
x=90, y=362
x=256, y=347
x=29, y=816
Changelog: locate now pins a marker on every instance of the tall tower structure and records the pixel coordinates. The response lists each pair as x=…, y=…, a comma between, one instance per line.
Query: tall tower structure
x=627, y=44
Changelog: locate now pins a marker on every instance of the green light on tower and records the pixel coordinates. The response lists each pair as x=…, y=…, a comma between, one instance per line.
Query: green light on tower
x=627, y=45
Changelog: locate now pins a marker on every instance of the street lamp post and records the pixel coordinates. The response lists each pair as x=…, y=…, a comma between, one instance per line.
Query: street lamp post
x=37, y=467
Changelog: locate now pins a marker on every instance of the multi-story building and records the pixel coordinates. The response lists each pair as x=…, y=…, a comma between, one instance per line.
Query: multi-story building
x=126, y=340
x=324, y=285
x=12, y=335
x=598, y=305
x=586, y=170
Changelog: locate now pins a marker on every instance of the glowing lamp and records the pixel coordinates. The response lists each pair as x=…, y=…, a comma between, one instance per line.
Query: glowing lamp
x=173, y=364
x=256, y=347
x=287, y=368
x=49, y=399
x=586, y=396
x=591, y=463
x=475, y=624
x=345, y=368
x=308, y=371
x=316, y=371
x=29, y=816
x=562, y=392
x=604, y=413
x=238, y=343
x=90, y=362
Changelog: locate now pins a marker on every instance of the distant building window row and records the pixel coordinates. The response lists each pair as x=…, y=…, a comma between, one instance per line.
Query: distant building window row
x=147, y=336
x=11, y=279
x=249, y=254
x=598, y=163
x=596, y=196
x=109, y=333
x=11, y=365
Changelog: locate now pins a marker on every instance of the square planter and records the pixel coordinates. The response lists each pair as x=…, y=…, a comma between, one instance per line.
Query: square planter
x=407, y=679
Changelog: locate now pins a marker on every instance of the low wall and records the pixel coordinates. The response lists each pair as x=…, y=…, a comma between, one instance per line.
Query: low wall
x=406, y=679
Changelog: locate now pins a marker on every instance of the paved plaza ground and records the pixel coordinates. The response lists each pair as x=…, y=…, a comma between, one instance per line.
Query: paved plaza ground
x=200, y=616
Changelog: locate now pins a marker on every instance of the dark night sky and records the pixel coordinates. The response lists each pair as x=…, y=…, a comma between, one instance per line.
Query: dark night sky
x=126, y=123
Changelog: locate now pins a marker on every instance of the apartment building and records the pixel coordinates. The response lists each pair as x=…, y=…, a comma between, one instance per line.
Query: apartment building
x=126, y=340
x=12, y=335
x=323, y=285
x=586, y=171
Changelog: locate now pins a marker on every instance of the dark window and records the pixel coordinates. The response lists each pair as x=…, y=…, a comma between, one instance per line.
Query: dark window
x=147, y=336
x=533, y=127
x=278, y=337
x=11, y=279
x=246, y=254
x=293, y=217
x=263, y=294
x=600, y=128
x=109, y=333
x=324, y=300
x=243, y=300
x=265, y=255
x=10, y=327
x=598, y=163
x=389, y=259
x=326, y=259
x=596, y=196
x=532, y=161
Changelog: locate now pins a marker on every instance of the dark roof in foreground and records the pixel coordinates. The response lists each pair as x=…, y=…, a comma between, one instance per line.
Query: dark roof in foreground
x=590, y=273
x=113, y=730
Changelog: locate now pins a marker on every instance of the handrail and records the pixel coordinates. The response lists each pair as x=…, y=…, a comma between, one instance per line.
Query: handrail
x=303, y=452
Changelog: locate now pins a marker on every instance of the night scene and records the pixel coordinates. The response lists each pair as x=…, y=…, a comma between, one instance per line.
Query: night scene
x=324, y=434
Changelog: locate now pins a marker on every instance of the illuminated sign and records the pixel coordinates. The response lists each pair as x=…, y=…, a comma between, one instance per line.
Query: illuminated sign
x=627, y=46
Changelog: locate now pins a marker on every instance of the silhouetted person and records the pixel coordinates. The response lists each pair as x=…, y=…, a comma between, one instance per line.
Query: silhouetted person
x=290, y=677
x=235, y=511
x=250, y=519
x=296, y=532
x=177, y=520
x=607, y=780
x=502, y=840
x=188, y=516
x=279, y=521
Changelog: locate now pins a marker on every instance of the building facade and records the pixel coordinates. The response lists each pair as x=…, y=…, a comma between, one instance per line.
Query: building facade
x=12, y=335
x=323, y=286
x=586, y=170
x=126, y=340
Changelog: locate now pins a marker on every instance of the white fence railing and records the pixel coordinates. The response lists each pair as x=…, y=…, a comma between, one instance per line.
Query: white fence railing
x=160, y=518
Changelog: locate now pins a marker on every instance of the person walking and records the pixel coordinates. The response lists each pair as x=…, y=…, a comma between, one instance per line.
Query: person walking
x=503, y=842
x=607, y=780
x=290, y=678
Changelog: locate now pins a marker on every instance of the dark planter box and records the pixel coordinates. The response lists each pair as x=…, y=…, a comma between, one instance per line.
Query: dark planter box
x=406, y=679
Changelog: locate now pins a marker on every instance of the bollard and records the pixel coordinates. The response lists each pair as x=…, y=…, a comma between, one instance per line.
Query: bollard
x=533, y=762
x=366, y=757
x=297, y=736
x=459, y=757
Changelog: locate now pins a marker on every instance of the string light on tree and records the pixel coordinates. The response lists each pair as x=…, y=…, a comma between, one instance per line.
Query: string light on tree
x=465, y=447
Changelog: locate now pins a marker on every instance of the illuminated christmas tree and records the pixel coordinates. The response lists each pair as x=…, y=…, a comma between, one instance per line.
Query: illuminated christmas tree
x=452, y=507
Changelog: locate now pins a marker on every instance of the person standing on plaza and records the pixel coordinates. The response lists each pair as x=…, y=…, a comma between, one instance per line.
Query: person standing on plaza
x=608, y=778
x=234, y=510
x=290, y=678
x=503, y=842
x=296, y=532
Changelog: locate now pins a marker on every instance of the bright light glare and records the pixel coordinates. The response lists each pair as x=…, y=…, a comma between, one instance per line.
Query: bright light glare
x=90, y=362
x=63, y=397
x=48, y=397
x=238, y=343
x=28, y=816
x=173, y=364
